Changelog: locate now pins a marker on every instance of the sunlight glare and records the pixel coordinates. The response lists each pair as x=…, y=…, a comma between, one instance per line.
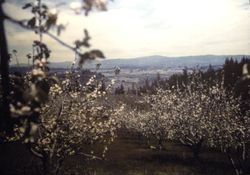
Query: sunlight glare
x=75, y=5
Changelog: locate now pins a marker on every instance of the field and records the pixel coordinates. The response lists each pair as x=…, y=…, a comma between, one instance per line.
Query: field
x=126, y=156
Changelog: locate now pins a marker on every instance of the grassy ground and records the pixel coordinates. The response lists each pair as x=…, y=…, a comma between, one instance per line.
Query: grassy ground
x=126, y=156
x=130, y=157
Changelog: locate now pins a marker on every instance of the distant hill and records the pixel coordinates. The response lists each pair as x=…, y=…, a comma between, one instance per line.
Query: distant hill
x=156, y=61
x=165, y=62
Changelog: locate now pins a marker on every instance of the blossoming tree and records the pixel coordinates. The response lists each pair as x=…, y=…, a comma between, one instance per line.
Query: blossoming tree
x=74, y=116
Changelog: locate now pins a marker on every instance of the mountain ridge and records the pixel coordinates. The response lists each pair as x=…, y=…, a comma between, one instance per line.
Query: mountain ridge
x=164, y=61
x=154, y=61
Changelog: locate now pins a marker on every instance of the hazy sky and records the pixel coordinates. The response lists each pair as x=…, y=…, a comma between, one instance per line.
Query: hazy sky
x=133, y=28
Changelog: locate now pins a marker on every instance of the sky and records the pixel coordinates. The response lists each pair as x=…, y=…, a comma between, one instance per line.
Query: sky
x=135, y=28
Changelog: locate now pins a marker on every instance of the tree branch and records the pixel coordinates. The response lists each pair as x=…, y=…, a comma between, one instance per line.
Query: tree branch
x=61, y=42
x=21, y=24
x=36, y=153
x=57, y=120
x=90, y=156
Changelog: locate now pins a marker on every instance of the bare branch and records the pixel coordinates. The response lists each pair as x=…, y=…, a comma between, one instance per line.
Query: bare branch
x=61, y=42
x=36, y=153
x=90, y=156
x=21, y=24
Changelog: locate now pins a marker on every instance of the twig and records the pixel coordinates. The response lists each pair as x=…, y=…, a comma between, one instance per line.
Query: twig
x=21, y=24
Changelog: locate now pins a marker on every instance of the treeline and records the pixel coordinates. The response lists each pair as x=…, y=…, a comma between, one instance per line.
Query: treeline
x=231, y=75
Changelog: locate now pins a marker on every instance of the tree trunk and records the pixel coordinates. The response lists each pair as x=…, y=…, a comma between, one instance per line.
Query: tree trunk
x=196, y=152
x=239, y=163
x=5, y=120
x=237, y=172
x=51, y=167
x=58, y=166
x=47, y=166
x=160, y=142
x=196, y=149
